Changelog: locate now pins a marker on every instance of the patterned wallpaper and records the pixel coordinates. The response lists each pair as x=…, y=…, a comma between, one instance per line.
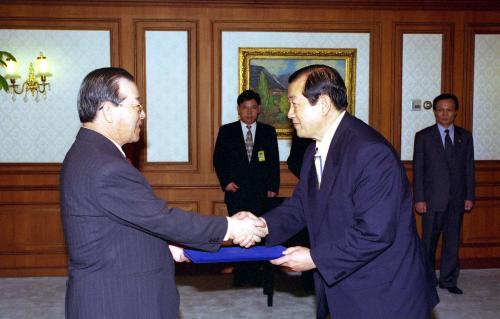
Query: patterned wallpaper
x=167, y=96
x=231, y=41
x=421, y=80
x=486, y=101
x=42, y=132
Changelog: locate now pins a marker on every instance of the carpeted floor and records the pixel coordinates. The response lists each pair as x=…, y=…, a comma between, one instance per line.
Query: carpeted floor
x=204, y=296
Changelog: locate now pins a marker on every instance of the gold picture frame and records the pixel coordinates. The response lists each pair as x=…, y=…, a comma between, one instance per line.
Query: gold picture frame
x=266, y=71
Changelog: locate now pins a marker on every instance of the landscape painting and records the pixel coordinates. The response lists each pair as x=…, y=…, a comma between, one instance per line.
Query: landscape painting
x=266, y=71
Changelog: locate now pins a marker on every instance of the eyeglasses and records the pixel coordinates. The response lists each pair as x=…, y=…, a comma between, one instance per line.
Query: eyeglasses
x=139, y=107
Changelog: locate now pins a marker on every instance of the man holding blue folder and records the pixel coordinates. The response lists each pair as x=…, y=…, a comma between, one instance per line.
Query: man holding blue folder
x=354, y=198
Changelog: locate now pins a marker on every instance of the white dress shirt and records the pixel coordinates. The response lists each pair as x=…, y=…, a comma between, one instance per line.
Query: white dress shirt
x=244, y=129
x=451, y=129
x=323, y=146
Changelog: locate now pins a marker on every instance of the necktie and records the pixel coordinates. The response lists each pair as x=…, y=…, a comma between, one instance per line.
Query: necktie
x=249, y=142
x=318, y=163
x=448, y=146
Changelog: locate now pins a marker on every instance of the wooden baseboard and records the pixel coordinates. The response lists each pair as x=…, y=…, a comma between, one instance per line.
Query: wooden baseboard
x=481, y=263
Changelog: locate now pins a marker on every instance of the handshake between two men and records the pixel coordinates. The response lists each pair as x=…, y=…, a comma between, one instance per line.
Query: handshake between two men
x=244, y=229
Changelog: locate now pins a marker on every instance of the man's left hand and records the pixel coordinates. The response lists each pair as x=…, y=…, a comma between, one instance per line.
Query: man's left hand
x=296, y=258
x=178, y=254
x=271, y=194
x=468, y=205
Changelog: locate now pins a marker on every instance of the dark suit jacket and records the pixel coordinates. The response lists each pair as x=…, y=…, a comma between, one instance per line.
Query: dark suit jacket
x=432, y=177
x=362, y=229
x=116, y=233
x=255, y=178
x=297, y=150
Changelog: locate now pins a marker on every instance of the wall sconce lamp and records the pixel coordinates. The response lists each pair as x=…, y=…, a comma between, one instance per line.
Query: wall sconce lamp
x=31, y=84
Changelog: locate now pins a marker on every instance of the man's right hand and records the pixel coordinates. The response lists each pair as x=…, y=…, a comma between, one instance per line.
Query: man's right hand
x=245, y=229
x=421, y=207
x=231, y=187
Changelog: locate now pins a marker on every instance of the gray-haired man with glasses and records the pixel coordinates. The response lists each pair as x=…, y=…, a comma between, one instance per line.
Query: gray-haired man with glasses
x=118, y=233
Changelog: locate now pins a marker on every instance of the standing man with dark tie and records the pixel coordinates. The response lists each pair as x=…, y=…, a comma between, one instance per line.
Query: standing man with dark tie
x=355, y=200
x=246, y=161
x=443, y=186
x=118, y=233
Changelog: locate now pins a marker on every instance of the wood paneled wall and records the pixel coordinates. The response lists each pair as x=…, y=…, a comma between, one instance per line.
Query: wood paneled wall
x=31, y=238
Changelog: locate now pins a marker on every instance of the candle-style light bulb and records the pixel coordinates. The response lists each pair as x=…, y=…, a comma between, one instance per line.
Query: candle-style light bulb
x=11, y=69
x=43, y=64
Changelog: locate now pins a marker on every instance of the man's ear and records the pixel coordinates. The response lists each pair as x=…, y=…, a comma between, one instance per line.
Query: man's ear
x=325, y=103
x=108, y=111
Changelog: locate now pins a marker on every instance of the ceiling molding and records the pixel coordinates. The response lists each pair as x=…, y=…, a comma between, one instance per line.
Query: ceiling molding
x=470, y=5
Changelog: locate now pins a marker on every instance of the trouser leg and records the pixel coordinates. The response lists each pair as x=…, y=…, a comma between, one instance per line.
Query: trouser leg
x=450, y=268
x=431, y=229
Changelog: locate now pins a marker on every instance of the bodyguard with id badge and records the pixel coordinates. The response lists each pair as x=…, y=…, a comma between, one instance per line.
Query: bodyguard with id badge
x=246, y=161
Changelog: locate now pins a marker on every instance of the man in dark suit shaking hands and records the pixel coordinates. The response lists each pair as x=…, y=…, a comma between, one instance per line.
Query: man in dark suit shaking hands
x=355, y=200
x=443, y=186
x=118, y=233
x=246, y=161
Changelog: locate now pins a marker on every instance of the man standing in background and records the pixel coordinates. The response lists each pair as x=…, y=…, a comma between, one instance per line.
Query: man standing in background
x=443, y=186
x=246, y=161
x=117, y=232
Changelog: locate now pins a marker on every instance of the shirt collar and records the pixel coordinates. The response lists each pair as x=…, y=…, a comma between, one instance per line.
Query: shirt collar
x=324, y=145
x=244, y=125
x=442, y=128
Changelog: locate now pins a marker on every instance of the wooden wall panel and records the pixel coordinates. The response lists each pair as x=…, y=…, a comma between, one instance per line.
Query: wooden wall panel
x=219, y=209
x=31, y=242
x=401, y=28
x=141, y=27
x=31, y=228
x=471, y=29
x=482, y=229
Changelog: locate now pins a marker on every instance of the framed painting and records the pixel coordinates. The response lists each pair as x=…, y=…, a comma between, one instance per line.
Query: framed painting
x=266, y=71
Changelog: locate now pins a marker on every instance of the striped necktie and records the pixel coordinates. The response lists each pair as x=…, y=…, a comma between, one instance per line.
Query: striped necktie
x=249, y=142
x=318, y=163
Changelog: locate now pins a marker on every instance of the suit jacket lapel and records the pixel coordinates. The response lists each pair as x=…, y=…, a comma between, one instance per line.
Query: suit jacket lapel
x=332, y=163
x=309, y=174
x=319, y=199
x=256, y=143
x=239, y=132
x=257, y=139
x=457, y=140
x=438, y=142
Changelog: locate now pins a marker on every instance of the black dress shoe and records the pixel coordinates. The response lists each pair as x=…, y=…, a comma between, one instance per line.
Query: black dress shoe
x=453, y=290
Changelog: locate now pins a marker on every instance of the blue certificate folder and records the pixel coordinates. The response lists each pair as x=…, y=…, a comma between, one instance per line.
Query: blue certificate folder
x=235, y=254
